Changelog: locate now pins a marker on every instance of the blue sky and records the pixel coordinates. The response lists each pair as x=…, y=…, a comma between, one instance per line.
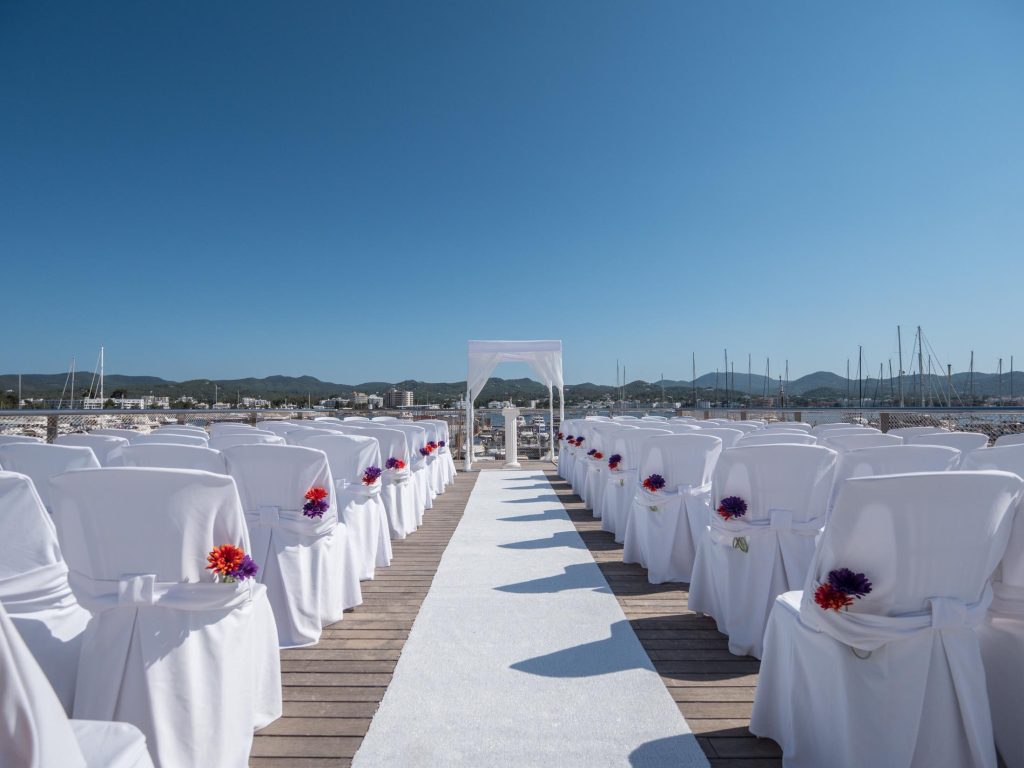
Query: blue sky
x=353, y=190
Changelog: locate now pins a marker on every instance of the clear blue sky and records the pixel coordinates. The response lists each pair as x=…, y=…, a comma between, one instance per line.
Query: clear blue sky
x=351, y=190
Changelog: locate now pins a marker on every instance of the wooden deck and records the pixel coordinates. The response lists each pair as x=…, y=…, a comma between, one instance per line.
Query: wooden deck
x=332, y=690
x=713, y=688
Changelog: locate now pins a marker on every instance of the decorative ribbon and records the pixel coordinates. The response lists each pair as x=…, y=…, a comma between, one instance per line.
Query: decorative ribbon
x=653, y=501
x=142, y=590
x=1007, y=600
x=39, y=589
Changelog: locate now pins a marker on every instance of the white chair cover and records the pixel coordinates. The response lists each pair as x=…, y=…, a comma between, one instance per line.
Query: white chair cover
x=565, y=450
x=281, y=428
x=128, y=434
x=1002, y=634
x=419, y=480
x=790, y=426
x=743, y=565
x=599, y=473
x=166, y=438
x=581, y=467
x=355, y=418
x=892, y=460
x=777, y=437
x=1014, y=439
x=359, y=505
x=35, y=732
x=728, y=435
x=193, y=664
x=837, y=440
x=818, y=429
x=444, y=451
x=435, y=466
x=300, y=436
x=897, y=678
x=662, y=527
x=41, y=462
x=309, y=579
x=5, y=439
x=906, y=432
x=102, y=445
x=621, y=484
x=219, y=428
x=34, y=586
x=746, y=427
x=171, y=456
x=965, y=442
x=251, y=437
x=194, y=431
x=397, y=490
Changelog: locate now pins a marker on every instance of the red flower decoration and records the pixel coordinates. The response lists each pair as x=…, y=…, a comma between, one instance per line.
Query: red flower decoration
x=316, y=493
x=598, y=455
x=831, y=599
x=225, y=559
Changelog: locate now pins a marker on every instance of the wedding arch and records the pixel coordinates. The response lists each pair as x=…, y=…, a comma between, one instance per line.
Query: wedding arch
x=544, y=357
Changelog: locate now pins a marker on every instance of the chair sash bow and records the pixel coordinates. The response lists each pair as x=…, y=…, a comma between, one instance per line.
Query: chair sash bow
x=40, y=589
x=143, y=590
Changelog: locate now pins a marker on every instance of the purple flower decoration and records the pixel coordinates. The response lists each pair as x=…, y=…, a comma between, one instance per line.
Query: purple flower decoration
x=570, y=438
x=370, y=475
x=614, y=460
x=246, y=569
x=731, y=507
x=654, y=483
x=441, y=443
x=393, y=463
x=592, y=451
x=849, y=583
x=424, y=451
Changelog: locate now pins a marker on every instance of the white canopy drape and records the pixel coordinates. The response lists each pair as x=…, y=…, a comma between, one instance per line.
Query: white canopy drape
x=544, y=357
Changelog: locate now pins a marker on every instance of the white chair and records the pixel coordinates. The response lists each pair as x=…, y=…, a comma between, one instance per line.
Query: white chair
x=359, y=503
x=444, y=453
x=849, y=431
x=818, y=429
x=35, y=732
x=103, y=446
x=581, y=468
x=727, y=435
x=435, y=466
x=908, y=432
x=181, y=430
x=355, y=418
x=41, y=462
x=172, y=456
x=280, y=428
x=128, y=434
x=744, y=563
x=300, y=436
x=228, y=428
x=252, y=437
x=1002, y=634
x=1014, y=439
x=417, y=438
x=192, y=663
x=896, y=678
x=663, y=526
x=965, y=442
x=599, y=470
x=777, y=437
x=34, y=585
x=566, y=450
x=10, y=439
x=745, y=427
x=310, y=581
x=169, y=439
x=621, y=484
x=848, y=442
x=397, y=490
x=797, y=426
x=892, y=460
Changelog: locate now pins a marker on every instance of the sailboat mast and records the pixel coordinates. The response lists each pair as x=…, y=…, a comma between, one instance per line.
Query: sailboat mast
x=920, y=363
x=101, y=376
x=899, y=344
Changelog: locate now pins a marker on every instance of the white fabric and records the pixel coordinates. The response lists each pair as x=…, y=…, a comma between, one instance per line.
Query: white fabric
x=906, y=432
x=300, y=436
x=194, y=431
x=281, y=428
x=1014, y=439
x=128, y=434
x=397, y=490
x=165, y=438
x=965, y=442
x=102, y=445
x=663, y=527
x=892, y=460
x=5, y=439
x=35, y=733
x=598, y=472
x=851, y=430
x=41, y=462
x=745, y=427
x=778, y=437
x=193, y=664
x=249, y=437
x=34, y=585
x=786, y=488
x=728, y=435
x=417, y=465
x=359, y=505
x=444, y=452
x=801, y=425
x=544, y=357
x=227, y=428
x=621, y=485
x=818, y=429
x=170, y=456
x=310, y=581
x=897, y=679
x=850, y=442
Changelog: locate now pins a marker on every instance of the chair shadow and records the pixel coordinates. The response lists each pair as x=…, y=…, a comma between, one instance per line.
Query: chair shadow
x=548, y=498
x=680, y=750
x=535, y=487
x=600, y=657
x=579, y=576
x=551, y=514
x=569, y=539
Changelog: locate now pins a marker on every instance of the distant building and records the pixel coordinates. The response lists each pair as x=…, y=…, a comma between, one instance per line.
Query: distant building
x=398, y=398
x=254, y=402
x=375, y=401
x=360, y=398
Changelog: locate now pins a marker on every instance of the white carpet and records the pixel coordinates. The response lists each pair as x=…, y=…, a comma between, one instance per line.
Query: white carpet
x=521, y=656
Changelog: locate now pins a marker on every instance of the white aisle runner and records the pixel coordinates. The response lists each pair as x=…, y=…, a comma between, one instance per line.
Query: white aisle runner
x=521, y=655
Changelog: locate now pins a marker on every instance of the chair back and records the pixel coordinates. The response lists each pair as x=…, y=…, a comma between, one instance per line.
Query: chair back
x=632, y=442
x=219, y=428
x=166, y=438
x=279, y=476
x=28, y=537
x=41, y=462
x=1014, y=439
x=727, y=435
x=5, y=439
x=102, y=445
x=779, y=477
x=839, y=440
x=348, y=455
x=798, y=426
x=173, y=430
x=777, y=437
x=116, y=432
x=965, y=442
x=300, y=436
x=249, y=437
x=1006, y=458
x=893, y=460
x=172, y=456
x=681, y=459
x=393, y=443
x=907, y=432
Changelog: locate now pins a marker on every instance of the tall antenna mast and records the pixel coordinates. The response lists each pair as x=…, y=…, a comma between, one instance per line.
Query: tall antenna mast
x=920, y=363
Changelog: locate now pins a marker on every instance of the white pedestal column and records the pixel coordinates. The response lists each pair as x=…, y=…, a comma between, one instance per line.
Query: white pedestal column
x=511, y=437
